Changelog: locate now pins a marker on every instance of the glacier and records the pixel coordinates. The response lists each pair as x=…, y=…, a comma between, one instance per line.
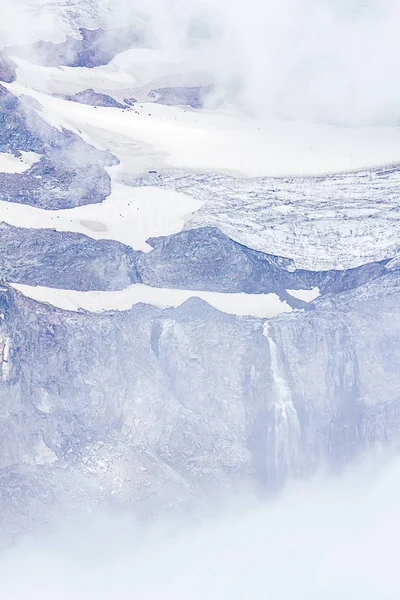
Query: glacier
x=322, y=222
x=194, y=301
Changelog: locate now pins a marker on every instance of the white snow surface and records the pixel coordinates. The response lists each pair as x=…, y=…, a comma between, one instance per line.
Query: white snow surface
x=231, y=173
x=223, y=141
x=129, y=215
x=27, y=21
x=256, y=305
x=132, y=73
x=9, y=163
x=305, y=295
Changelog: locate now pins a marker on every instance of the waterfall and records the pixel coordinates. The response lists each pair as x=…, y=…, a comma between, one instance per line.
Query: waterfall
x=5, y=364
x=284, y=430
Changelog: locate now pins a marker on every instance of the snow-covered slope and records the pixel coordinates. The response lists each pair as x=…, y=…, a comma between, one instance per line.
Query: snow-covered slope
x=224, y=141
x=129, y=215
x=324, y=222
x=257, y=305
x=192, y=296
x=327, y=222
x=9, y=163
x=26, y=22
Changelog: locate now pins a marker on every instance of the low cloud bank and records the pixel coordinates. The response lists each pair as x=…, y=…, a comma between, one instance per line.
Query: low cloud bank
x=329, y=538
x=333, y=61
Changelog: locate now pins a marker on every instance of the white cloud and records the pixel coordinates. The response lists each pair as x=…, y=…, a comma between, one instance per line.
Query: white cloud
x=334, y=61
x=329, y=60
x=330, y=538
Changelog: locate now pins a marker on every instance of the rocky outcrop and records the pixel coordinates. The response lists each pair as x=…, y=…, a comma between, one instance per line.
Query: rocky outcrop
x=69, y=173
x=153, y=408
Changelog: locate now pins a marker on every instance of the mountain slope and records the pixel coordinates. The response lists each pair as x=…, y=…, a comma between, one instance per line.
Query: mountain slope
x=193, y=299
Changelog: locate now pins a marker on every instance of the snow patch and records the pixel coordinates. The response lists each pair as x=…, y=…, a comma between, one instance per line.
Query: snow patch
x=9, y=163
x=43, y=455
x=305, y=295
x=129, y=215
x=256, y=305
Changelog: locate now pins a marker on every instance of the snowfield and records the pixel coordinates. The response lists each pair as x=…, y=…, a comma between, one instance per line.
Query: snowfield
x=305, y=295
x=132, y=73
x=9, y=163
x=129, y=215
x=256, y=305
x=226, y=170
x=223, y=141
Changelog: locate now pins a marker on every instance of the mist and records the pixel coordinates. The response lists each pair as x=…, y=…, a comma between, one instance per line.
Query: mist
x=332, y=537
x=330, y=61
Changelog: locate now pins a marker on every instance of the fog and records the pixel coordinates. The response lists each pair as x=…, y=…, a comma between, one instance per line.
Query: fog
x=332, y=537
x=334, y=61
x=326, y=60
x=330, y=61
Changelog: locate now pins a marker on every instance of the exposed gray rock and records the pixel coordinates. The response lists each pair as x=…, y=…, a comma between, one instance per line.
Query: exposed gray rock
x=169, y=404
x=69, y=173
x=65, y=260
x=207, y=259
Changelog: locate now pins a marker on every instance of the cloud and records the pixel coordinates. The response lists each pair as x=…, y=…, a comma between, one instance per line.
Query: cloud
x=328, y=60
x=333, y=61
x=333, y=537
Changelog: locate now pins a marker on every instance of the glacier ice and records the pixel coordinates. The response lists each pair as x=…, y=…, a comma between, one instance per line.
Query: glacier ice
x=326, y=222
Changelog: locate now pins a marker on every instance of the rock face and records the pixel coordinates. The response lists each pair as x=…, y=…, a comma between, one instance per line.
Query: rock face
x=197, y=259
x=7, y=69
x=207, y=259
x=65, y=260
x=93, y=99
x=152, y=408
x=70, y=172
x=186, y=96
x=91, y=48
